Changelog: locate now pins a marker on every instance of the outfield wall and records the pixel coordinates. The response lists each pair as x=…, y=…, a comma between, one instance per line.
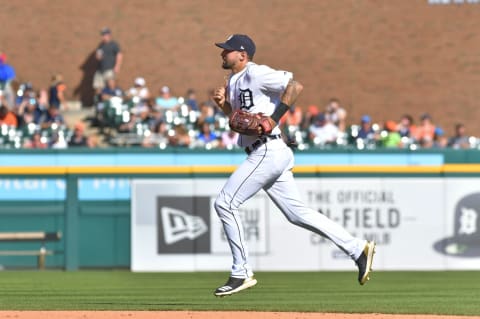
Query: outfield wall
x=87, y=196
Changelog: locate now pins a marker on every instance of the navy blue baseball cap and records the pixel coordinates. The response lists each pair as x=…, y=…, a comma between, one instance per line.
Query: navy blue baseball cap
x=239, y=42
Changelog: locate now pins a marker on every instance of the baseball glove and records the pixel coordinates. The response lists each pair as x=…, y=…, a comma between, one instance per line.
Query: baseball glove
x=248, y=123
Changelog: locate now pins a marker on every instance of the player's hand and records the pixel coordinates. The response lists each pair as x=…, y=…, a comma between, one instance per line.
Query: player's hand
x=269, y=127
x=219, y=96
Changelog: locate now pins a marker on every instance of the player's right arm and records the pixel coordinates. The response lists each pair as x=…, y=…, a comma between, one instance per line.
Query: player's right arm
x=219, y=96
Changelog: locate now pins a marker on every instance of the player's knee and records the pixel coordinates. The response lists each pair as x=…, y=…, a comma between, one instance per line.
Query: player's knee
x=296, y=219
x=221, y=205
x=293, y=219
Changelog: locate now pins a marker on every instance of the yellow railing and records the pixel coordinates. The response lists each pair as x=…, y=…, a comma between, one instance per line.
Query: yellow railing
x=223, y=169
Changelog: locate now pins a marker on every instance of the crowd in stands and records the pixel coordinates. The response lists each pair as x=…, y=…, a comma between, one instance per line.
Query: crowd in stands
x=157, y=118
x=34, y=119
x=137, y=118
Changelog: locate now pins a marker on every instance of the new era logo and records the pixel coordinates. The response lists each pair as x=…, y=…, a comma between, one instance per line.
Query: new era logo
x=183, y=224
x=178, y=225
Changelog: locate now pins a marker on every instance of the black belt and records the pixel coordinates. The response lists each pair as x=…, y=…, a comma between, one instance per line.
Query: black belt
x=260, y=141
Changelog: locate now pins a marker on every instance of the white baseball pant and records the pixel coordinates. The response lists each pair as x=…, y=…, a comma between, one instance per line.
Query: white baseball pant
x=269, y=168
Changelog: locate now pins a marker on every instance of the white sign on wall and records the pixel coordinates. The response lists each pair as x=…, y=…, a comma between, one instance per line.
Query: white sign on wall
x=418, y=223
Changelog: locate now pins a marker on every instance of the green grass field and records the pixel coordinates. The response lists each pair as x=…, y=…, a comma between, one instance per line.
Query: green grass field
x=455, y=293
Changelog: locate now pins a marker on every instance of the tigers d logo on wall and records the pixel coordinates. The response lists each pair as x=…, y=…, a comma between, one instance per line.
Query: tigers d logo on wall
x=182, y=225
x=465, y=241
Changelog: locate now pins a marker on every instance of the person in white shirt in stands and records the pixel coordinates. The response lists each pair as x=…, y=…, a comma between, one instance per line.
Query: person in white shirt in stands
x=322, y=131
x=335, y=114
x=139, y=92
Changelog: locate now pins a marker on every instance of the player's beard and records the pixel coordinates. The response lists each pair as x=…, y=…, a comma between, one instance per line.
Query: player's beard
x=226, y=65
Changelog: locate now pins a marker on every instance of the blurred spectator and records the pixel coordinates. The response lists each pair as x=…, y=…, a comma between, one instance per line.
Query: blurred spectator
x=52, y=116
x=158, y=136
x=138, y=120
x=56, y=93
x=391, y=138
x=460, y=139
x=309, y=117
x=206, y=135
x=166, y=101
x=78, y=138
x=179, y=136
x=335, y=114
x=28, y=112
x=210, y=101
x=366, y=131
x=144, y=114
x=92, y=141
x=36, y=141
x=111, y=96
x=228, y=139
x=25, y=91
x=322, y=131
x=7, y=74
x=406, y=127
x=425, y=132
x=128, y=126
x=207, y=114
x=139, y=92
x=110, y=59
x=42, y=99
x=57, y=140
x=191, y=100
x=111, y=90
x=7, y=117
x=439, y=138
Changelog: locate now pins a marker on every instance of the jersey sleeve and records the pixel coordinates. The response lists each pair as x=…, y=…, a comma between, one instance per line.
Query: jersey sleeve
x=272, y=80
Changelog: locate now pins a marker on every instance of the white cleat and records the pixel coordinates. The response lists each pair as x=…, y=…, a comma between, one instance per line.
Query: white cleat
x=364, y=262
x=234, y=285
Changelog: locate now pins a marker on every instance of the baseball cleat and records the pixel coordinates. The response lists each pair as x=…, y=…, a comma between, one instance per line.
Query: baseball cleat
x=234, y=285
x=364, y=262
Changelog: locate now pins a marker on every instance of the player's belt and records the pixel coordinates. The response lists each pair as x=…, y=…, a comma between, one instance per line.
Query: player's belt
x=259, y=142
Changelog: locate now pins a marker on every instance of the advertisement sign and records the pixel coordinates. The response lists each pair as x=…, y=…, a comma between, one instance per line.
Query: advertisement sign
x=417, y=223
x=179, y=216
x=460, y=244
x=404, y=216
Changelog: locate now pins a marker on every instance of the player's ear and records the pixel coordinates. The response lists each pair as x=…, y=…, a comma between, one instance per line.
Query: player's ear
x=243, y=55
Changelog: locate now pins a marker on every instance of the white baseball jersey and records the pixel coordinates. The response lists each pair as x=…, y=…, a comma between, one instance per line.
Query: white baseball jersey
x=257, y=89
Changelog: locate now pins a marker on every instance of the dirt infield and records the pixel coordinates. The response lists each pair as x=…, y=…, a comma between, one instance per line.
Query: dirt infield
x=202, y=315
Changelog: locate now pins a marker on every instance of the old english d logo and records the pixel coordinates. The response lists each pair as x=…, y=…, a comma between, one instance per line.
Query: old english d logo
x=246, y=99
x=465, y=241
x=182, y=225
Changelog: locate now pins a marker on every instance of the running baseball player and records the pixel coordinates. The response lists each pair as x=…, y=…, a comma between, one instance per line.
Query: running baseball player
x=255, y=98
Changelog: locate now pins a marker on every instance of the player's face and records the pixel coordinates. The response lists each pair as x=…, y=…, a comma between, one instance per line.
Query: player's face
x=230, y=59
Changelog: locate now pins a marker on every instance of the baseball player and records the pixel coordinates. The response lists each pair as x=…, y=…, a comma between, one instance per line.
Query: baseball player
x=253, y=89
